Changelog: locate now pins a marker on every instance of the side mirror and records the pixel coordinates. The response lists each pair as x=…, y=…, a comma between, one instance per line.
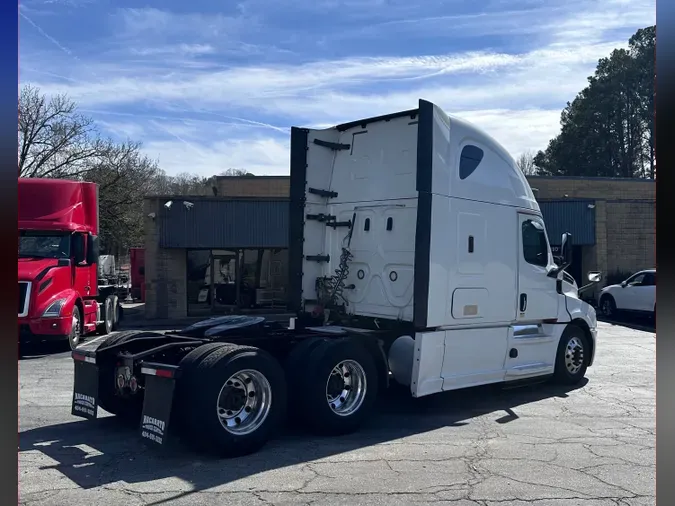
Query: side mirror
x=93, y=249
x=594, y=277
x=78, y=249
x=566, y=250
x=624, y=284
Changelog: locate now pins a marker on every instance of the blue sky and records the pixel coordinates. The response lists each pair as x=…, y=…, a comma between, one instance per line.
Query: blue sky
x=209, y=85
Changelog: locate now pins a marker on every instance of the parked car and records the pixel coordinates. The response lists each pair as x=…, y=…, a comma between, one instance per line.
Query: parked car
x=637, y=295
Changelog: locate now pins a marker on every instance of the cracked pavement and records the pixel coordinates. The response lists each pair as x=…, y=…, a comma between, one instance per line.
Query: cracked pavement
x=536, y=445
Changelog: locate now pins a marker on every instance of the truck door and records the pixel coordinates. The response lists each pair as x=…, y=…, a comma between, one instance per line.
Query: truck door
x=537, y=298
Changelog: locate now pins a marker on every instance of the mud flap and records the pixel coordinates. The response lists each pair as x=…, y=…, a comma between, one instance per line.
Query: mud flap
x=160, y=383
x=85, y=388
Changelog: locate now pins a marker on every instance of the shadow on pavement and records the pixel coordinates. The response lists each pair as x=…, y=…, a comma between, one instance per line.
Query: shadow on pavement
x=102, y=452
x=644, y=324
x=40, y=350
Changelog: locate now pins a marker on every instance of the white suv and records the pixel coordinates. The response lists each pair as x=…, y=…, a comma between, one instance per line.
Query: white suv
x=637, y=294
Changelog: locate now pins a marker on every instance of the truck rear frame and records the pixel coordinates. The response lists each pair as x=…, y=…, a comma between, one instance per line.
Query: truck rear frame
x=146, y=368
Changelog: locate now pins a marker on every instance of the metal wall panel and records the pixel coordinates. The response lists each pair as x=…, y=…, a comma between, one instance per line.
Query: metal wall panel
x=222, y=224
x=574, y=216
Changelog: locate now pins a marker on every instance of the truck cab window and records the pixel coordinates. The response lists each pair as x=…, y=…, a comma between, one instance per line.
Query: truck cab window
x=535, y=246
x=44, y=245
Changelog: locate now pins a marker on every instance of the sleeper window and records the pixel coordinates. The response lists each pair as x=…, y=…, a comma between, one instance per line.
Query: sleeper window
x=535, y=247
x=469, y=159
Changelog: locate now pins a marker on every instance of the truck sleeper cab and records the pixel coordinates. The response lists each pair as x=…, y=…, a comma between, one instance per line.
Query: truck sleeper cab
x=59, y=296
x=417, y=252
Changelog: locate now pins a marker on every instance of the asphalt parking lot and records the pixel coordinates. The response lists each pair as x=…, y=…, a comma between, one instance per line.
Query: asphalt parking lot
x=592, y=445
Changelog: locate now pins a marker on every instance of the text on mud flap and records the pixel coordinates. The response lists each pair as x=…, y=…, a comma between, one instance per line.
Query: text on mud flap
x=84, y=404
x=153, y=425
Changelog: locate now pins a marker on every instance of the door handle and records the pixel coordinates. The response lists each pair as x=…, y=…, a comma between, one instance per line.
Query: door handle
x=523, y=302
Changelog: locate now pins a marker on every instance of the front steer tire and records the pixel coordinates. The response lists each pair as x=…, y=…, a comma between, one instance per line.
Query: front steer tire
x=573, y=354
x=199, y=388
x=320, y=414
x=75, y=336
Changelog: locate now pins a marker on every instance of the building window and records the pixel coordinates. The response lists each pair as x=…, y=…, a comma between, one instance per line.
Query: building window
x=264, y=278
x=535, y=246
x=469, y=160
x=221, y=281
x=198, y=282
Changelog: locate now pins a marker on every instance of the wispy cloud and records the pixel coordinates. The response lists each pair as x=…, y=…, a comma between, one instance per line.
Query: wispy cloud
x=162, y=23
x=208, y=90
x=355, y=85
x=38, y=28
x=152, y=32
x=179, y=49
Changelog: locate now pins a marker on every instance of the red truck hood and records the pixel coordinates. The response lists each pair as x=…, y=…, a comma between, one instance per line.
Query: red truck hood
x=29, y=268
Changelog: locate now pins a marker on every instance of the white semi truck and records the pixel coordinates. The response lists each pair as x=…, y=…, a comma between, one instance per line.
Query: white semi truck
x=418, y=254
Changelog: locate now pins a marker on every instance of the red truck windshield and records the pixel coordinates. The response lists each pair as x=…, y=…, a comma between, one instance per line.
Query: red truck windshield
x=44, y=244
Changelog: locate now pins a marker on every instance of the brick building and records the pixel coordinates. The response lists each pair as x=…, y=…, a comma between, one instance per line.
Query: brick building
x=224, y=253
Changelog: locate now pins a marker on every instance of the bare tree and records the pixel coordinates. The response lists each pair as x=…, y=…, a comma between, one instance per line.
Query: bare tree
x=54, y=140
x=191, y=184
x=57, y=142
x=237, y=173
x=125, y=176
x=183, y=184
x=526, y=164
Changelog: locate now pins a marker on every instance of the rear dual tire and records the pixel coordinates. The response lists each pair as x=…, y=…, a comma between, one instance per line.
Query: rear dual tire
x=111, y=315
x=230, y=399
x=329, y=385
x=335, y=391
x=108, y=313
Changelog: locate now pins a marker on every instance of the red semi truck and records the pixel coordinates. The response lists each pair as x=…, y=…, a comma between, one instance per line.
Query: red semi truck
x=59, y=296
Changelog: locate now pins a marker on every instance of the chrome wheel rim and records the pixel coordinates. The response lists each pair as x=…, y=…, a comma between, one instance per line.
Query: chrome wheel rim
x=346, y=388
x=75, y=332
x=244, y=402
x=574, y=355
